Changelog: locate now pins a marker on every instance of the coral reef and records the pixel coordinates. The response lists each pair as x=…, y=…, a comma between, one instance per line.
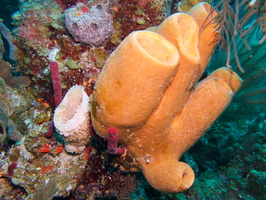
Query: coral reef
x=43, y=38
x=137, y=15
x=68, y=3
x=31, y=170
x=228, y=160
x=244, y=143
x=7, y=190
x=98, y=181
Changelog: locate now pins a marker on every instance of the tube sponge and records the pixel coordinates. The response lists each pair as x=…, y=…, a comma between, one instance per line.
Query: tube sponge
x=148, y=91
x=71, y=118
x=208, y=32
x=153, y=66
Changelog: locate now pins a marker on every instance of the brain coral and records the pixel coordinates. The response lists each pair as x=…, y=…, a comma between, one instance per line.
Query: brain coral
x=89, y=25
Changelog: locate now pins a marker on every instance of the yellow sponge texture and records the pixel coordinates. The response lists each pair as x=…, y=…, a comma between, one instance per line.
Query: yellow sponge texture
x=149, y=91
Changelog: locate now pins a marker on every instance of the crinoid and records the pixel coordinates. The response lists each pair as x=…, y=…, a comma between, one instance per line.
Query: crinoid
x=233, y=18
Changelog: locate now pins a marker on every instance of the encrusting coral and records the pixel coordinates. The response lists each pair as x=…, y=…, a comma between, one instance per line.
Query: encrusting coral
x=148, y=91
x=72, y=119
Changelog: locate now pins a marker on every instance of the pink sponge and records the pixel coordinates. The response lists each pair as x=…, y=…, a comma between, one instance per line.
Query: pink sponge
x=54, y=69
x=113, y=141
x=92, y=26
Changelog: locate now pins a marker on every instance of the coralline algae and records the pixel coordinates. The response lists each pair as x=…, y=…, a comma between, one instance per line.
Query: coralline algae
x=92, y=26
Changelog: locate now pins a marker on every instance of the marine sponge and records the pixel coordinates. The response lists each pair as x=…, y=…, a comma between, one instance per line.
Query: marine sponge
x=148, y=91
x=91, y=26
x=72, y=117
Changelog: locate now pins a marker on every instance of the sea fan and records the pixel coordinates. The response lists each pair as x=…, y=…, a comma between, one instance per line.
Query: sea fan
x=5, y=110
x=248, y=59
x=232, y=18
x=7, y=126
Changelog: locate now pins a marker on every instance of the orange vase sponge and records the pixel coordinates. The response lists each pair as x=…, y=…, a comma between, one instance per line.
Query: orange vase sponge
x=145, y=61
x=148, y=91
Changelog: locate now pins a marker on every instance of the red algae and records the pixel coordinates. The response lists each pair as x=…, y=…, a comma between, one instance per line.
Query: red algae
x=98, y=180
x=11, y=168
x=129, y=11
x=64, y=4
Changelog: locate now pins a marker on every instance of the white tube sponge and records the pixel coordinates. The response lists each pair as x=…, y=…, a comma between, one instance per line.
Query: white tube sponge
x=72, y=119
